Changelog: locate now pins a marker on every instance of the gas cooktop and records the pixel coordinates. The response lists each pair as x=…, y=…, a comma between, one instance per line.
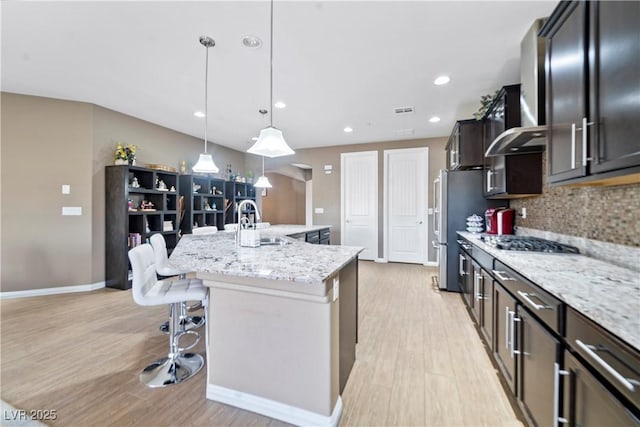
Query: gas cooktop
x=527, y=243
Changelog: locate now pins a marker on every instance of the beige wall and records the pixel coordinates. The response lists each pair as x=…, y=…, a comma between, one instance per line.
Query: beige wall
x=285, y=202
x=45, y=143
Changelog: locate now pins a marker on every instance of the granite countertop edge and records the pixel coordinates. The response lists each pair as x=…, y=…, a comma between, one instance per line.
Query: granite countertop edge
x=607, y=294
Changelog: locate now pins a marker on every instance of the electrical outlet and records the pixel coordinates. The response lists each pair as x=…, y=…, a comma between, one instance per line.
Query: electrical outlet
x=524, y=212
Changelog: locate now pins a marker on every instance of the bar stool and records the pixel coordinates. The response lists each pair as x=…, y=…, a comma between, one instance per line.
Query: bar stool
x=147, y=290
x=164, y=269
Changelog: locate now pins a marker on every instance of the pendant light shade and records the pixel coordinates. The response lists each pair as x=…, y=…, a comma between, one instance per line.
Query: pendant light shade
x=270, y=142
x=263, y=181
x=205, y=162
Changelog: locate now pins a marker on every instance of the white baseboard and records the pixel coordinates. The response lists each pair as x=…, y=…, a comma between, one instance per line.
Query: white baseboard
x=381, y=260
x=431, y=264
x=51, y=291
x=273, y=409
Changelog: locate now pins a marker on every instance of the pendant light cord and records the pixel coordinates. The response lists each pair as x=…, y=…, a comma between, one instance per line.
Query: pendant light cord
x=271, y=69
x=206, y=91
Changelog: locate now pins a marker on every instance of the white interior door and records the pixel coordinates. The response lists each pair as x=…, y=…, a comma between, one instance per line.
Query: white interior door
x=406, y=195
x=359, y=207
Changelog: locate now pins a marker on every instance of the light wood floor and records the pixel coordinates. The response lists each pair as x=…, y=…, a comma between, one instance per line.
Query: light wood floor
x=419, y=361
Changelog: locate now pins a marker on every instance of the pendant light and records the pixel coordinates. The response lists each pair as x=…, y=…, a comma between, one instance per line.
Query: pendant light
x=263, y=181
x=205, y=162
x=270, y=142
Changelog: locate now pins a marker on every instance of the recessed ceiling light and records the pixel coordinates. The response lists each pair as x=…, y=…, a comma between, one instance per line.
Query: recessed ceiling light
x=434, y=119
x=279, y=104
x=348, y=129
x=442, y=80
x=199, y=114
x=251, y=41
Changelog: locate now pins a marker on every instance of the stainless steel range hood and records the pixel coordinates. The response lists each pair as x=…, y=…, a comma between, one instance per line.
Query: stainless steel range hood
x=532, y=136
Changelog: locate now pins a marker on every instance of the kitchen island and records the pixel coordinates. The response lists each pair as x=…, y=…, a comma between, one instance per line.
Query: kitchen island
x=281, y=323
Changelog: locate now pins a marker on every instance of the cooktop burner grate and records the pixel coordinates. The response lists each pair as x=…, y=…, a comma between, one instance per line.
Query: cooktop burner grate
x=526, y=243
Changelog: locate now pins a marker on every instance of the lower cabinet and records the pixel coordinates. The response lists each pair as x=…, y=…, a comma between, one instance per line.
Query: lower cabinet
x=587, y=402
x=537, y=353
x=561, y=368
x=504, y=332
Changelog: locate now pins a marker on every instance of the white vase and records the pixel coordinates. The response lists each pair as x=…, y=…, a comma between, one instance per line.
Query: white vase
x=120, y=162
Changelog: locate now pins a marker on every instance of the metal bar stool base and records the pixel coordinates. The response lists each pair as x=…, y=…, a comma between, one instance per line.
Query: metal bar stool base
x=167, y=371
x=186, y=324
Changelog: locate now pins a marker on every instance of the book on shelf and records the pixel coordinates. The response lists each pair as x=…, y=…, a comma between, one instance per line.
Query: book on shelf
x=135, y=239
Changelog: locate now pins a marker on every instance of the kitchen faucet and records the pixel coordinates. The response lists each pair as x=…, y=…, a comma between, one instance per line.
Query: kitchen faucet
x=240, y=206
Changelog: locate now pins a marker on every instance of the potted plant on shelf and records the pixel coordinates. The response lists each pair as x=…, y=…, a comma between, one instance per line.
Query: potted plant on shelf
x=125, y=154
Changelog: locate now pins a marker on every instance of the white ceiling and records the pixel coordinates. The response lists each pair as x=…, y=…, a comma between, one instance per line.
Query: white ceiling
x=336, y=63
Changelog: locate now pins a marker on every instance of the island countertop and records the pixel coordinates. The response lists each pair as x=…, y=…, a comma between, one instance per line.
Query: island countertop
x=300, y=262
x=607, y=294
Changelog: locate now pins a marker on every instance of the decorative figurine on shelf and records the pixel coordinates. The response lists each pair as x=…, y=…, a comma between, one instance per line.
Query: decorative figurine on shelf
x=161, y=186
x=196, y=187
x=206, y=206
x=172, y=189
x=214, y=207
x=213, y=190
x=130, y=206
x=135, y=183
x=147, y=206
x=183, y=167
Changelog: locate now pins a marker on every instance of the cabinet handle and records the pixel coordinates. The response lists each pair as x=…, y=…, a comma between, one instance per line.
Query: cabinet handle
x=502, y=275
x=461, y=269
x=628, y=383
x=573, y=145
x=436, y=211
x=514, y=319
x=526, y=297
x=585, y=124
x=506, y=327
x=489, y=174
x=479, y=295
x=556, y=393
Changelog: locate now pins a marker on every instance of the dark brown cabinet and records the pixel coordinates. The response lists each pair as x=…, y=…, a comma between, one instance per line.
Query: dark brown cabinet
x=593, y=92
x=517, y=175
x=505, y=309
x=464, y=148
x=129, y=222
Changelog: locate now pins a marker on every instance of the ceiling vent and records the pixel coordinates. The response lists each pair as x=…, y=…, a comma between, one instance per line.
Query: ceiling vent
x=404, y=132
x=401, y=111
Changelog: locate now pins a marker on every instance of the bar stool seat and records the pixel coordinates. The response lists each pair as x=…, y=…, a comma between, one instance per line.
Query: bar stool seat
x=164, y=270
x=147, y=290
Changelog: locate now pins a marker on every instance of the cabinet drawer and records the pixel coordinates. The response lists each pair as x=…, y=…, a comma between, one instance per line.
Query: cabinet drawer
x=325, y=233
x=611, y=357
x=543, y=305
x=313, y=237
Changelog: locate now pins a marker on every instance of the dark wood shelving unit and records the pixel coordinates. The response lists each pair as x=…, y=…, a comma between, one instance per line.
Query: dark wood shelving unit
x=126, y=228
x=204, y=202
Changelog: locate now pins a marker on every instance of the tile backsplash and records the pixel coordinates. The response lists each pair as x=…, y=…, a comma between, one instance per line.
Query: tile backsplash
x=608, y=214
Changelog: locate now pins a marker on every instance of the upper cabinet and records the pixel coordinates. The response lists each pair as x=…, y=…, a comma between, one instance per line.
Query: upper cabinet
x=593, y=92
x=516, y=175
x=464, y=148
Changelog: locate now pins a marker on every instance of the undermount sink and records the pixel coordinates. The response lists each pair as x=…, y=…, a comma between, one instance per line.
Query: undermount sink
x=274, y=241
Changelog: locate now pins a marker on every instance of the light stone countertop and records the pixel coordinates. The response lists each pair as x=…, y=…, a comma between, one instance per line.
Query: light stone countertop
x=289, y=229
x=605, y=293
x=296, y=262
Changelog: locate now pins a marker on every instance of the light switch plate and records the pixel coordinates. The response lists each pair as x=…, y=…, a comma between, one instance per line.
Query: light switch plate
x=319, y=210
x=71, y=210
x=66, y=189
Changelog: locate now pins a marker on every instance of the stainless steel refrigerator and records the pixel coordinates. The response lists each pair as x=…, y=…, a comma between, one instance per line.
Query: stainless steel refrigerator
x=457, y=195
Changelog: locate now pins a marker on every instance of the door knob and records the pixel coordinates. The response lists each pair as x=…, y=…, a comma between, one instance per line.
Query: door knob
x=418, y=222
